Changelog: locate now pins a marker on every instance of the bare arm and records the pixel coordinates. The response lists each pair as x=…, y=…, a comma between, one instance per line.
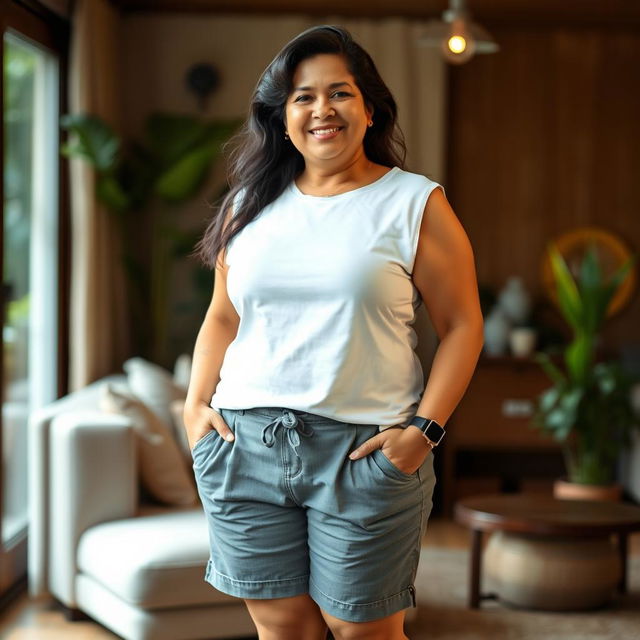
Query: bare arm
x=218, y=330
x=444, y=273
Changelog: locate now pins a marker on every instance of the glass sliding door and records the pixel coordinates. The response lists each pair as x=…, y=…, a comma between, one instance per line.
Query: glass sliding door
x=30, y=263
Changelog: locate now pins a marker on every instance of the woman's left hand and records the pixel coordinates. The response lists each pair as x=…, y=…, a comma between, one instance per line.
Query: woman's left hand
x=406, y=448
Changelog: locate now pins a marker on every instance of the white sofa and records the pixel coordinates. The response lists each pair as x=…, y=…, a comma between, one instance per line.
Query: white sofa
x=100, y=547
x=630, y=469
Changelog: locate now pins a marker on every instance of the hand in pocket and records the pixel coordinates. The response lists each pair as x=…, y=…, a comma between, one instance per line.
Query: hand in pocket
x=200, y=419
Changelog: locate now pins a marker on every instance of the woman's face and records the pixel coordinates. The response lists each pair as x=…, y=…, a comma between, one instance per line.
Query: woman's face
x=325, y=96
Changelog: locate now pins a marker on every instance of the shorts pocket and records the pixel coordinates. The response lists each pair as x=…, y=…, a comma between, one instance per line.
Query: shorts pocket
x=204, y=438
x=389, y=469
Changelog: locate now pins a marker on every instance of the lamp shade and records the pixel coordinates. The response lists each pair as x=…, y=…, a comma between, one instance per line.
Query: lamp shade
x=458, y=37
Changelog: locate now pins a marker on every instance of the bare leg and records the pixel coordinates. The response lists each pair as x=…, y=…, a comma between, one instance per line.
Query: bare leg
x=389, y=628
x=294, y=618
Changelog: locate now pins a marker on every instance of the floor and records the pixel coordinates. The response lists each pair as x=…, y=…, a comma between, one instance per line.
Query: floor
x=26, y=619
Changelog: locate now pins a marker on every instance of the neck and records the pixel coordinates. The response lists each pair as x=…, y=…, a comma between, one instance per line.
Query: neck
x=329, y=178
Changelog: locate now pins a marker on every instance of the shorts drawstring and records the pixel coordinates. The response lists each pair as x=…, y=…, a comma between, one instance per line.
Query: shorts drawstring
x=290, y=421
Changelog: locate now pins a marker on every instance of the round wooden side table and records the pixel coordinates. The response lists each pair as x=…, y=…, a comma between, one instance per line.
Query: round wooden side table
x=545, y=553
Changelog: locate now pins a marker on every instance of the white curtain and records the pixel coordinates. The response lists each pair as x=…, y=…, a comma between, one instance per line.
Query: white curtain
x=416, y=77
x=99, y=331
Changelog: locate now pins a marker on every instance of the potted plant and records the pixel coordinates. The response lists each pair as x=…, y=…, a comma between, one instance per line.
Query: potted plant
x=155, y=175
x=588, y=408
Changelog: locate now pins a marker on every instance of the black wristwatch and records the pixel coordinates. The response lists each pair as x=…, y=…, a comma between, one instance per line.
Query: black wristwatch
x=431, y=430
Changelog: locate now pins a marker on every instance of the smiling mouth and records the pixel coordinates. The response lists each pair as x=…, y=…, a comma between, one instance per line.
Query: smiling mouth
x=327, y=132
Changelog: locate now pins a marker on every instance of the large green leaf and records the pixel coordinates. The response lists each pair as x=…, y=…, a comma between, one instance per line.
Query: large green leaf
x=618, y=278
x=594, y=307
x=590, y=272
x=550, y=368
x=568, y=294
x=559, y=422
x=579, y=356
x=94, y=140
x=139, y=173
x=109, y=191
x=549, y=399
x=605, y=375
x=185, y=176
x=218, y=132
x=170, y=137
x=563, y=417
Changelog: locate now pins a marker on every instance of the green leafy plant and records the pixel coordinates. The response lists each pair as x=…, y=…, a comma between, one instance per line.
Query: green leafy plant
x=588, y=409
x=156, y=175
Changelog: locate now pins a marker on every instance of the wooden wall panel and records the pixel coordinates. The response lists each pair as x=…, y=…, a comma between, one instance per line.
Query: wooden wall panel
x=545, y=137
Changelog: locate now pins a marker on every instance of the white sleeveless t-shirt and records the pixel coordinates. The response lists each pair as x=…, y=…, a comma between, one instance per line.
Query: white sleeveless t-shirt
x=323, y=288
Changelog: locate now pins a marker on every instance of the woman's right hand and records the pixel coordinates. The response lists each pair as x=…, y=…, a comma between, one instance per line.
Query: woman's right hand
x=199, y=419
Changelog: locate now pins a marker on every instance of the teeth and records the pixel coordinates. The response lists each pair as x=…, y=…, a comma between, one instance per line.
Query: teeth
x=325, y=131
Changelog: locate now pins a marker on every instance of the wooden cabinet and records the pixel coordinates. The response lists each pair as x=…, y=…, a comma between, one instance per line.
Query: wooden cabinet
x=490, y=444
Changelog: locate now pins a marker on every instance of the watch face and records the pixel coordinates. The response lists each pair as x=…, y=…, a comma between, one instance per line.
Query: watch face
x=434, y=432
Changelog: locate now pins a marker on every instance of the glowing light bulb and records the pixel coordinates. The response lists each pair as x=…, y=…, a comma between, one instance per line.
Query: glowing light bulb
x=457, y=44
x=457, y=36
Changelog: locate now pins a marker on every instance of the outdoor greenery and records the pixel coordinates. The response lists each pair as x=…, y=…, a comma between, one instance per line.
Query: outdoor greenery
x=20, y=67
x=589, y=407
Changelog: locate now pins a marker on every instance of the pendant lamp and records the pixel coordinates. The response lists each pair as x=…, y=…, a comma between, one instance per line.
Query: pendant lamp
x=456, y=35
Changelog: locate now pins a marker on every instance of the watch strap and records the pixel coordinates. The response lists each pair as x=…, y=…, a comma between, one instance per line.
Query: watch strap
x=431, y=429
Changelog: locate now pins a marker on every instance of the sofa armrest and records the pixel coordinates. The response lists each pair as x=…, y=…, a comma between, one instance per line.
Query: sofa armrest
x=92, y=479
x=39, y=462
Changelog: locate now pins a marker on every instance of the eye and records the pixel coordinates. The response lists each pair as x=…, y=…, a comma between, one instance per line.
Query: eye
x=303, y=98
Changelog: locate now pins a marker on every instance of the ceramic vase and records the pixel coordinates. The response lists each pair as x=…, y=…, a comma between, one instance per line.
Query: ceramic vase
x=496, y=332
x=522, y=341
x=514, y=300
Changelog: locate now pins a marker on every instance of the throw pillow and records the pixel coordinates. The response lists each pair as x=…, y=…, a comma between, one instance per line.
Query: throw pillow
x=182, y=370
x=177, y=408
x=162, y=468
x=155, y=386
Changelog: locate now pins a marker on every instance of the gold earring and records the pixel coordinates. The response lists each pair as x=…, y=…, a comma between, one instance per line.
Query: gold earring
x=370, y=123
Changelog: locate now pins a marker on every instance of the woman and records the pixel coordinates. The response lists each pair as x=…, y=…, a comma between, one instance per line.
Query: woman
x=306, y=397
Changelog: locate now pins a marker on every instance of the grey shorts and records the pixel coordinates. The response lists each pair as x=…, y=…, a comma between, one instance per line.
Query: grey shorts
x=288, y=513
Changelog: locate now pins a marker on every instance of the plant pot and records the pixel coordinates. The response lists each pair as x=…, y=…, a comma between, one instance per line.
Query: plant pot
x=565, y=490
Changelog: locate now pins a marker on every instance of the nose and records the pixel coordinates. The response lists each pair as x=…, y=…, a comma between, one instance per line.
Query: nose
x=323, y=109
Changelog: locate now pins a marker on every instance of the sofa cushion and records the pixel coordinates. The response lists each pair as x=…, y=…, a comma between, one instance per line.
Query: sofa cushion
x=182, y=371
x=163, y=471
x=153, y=384
x=152, y=561
x=158, y=388
x=177, y=410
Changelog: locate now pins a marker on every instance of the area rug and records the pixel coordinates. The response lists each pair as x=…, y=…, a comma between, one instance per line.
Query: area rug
x=442, y=613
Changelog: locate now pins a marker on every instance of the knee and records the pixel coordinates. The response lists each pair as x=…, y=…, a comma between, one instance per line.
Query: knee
x=349, y=633
x=390, y=628
x=287, y=618
x=298, y=630
x=354, y=631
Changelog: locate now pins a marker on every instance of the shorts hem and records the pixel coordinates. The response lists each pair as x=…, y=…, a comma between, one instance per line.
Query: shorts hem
x=259, y=589
x=361, y=612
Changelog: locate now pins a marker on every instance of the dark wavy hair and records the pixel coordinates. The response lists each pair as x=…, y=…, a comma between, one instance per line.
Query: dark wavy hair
x=262, y=163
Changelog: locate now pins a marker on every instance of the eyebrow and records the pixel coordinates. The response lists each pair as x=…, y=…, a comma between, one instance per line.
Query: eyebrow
x=333, y=85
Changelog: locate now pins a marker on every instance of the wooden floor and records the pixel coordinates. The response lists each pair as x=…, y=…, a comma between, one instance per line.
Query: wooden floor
x=41, y=620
